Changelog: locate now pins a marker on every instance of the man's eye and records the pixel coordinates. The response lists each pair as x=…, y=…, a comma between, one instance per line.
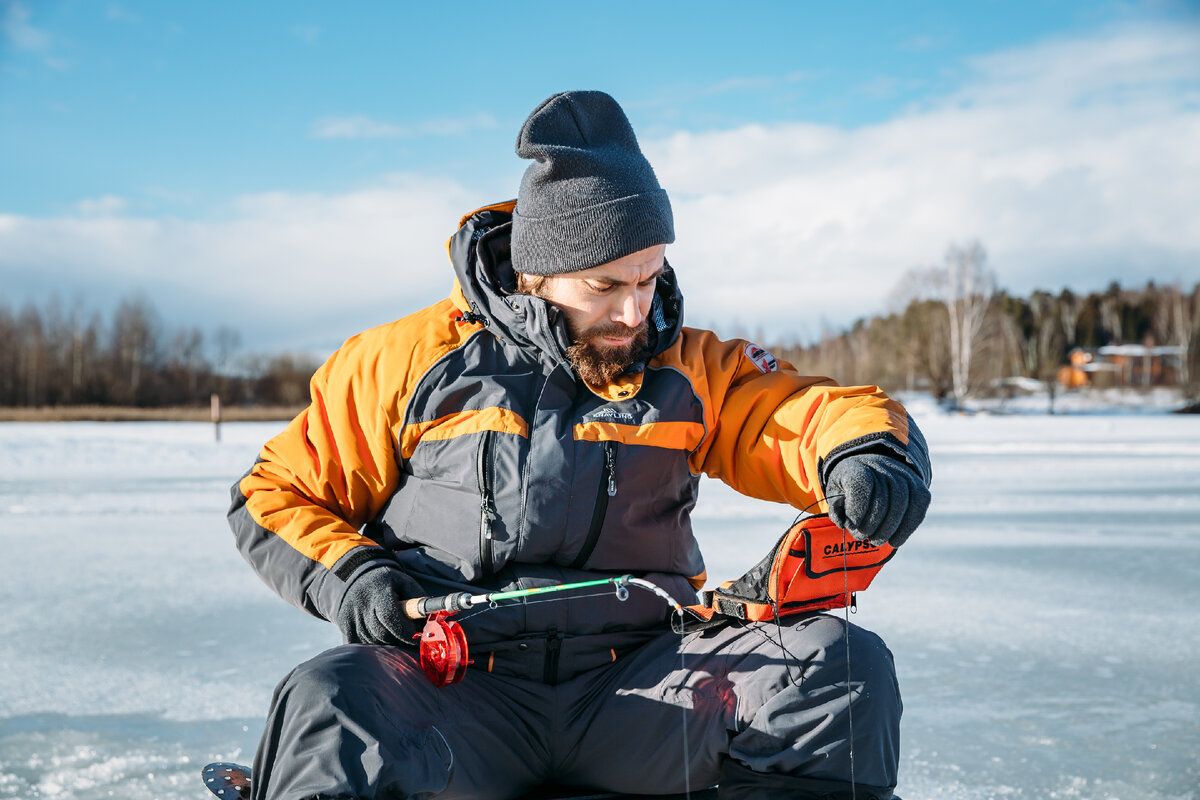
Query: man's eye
x=603, y=288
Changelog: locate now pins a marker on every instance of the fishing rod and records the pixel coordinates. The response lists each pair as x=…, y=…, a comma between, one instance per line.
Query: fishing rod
x=443, y=644
x=419, y=607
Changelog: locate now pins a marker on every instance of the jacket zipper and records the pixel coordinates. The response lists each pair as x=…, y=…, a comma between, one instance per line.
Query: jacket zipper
x=553, y=648
x=487, y=503
x=608, y=488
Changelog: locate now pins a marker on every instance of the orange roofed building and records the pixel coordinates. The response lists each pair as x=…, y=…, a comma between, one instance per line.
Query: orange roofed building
x=1122, y=365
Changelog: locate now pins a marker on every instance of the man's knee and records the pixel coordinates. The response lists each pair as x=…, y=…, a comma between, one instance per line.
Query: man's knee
x=348, y=670
x=308, y=682
x=839, y=649
x=825, y=631
x=855, y=663
x=319, y=677
x=351, y=720
x=840, y=698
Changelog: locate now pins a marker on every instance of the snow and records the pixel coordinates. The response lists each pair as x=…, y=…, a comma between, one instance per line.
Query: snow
x=1029, y=397
x=1045, y=620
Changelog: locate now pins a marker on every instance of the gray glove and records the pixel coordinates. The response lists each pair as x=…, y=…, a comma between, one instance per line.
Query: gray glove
x=372, y=611
x=876, y=497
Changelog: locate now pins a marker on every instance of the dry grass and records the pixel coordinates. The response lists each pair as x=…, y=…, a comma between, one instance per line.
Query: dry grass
x=130, y=414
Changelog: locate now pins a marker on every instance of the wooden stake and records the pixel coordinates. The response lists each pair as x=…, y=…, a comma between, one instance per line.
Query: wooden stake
x=216, y=416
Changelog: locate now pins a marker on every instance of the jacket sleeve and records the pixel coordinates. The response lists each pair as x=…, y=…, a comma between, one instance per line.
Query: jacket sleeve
x=774, y=434
x=296, y=514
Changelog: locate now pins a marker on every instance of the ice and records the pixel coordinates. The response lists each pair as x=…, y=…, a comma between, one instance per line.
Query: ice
x=1045, y=620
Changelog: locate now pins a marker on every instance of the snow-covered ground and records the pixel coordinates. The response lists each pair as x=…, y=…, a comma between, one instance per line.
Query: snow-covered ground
x=1045, y=620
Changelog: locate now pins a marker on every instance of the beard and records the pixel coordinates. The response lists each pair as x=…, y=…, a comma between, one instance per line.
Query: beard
x=599, y=363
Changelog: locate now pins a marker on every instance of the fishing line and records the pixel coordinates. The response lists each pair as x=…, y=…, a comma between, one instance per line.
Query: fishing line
x=787, y=654
x=687, y=767
x=849, y=691
x=463, y=616
x=747, y=626
x=845, y=636
x=502, y=604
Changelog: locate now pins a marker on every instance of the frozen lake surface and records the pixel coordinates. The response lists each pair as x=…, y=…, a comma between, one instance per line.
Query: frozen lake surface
x=1045, y=619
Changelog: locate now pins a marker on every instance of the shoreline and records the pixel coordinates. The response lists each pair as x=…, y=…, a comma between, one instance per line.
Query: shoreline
x=1067, y=404
x=96, y=413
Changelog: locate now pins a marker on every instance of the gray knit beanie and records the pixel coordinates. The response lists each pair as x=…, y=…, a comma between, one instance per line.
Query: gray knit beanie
x=590, y=196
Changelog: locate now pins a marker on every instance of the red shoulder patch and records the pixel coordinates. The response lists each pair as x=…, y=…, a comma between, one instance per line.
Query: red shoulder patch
x=761, y=358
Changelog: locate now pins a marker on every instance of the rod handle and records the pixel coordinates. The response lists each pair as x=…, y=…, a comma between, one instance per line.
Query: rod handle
x=420, y=607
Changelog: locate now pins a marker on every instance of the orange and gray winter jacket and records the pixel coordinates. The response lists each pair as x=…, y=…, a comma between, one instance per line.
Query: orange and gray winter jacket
x=458, y=445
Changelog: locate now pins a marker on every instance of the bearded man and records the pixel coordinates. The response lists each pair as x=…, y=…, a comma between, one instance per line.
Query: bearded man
x=549, y=423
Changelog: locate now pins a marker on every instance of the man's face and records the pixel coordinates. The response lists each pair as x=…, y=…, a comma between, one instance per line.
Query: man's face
x=605, y=309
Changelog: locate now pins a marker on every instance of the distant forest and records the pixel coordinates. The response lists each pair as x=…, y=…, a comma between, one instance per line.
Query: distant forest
x=67, y=356
x=953, y=334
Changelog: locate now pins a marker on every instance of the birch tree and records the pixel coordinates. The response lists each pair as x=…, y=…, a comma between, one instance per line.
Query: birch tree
x=1182, y=324
x=967, y=292
x=1047, y=344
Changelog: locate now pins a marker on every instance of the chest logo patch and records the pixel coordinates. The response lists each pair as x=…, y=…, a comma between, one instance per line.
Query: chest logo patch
x=761, y=358
x=611, y=415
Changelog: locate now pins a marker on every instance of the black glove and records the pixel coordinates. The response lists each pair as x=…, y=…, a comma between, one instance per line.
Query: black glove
x=372, y=612
x=876, y=497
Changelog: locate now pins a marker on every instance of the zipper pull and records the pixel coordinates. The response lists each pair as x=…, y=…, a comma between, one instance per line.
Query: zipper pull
x=489, y=516
x=610, y=466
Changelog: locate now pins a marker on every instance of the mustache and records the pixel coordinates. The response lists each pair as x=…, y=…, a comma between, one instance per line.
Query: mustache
x=616, y=330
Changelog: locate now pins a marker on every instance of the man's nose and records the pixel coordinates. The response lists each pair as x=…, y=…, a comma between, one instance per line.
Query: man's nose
x=629, y=311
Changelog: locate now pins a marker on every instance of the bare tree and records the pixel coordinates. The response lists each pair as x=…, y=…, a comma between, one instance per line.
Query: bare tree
x=31, y=357
x=1045, y=348
x=1192, y=386
x=922, y=329
x=1110, y=313
x=185, y=365
x=1069, y=307
x=135, y=342
x=925, y=331
x=10, y=354
x=1177, y=320
x=227, y=342
x=969, y=285
x=282, y=379
x=83, y=335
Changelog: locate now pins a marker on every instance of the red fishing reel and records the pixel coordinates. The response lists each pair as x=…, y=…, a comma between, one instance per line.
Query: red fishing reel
x=443, y=650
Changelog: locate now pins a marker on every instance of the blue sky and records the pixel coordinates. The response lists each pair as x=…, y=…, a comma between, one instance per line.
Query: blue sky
x=292, y=169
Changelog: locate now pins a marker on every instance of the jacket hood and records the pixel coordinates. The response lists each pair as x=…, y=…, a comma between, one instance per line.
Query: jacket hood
x=479, y=252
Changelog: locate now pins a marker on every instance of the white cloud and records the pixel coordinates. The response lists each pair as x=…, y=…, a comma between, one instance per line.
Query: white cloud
x=363, y=127
x=291, y=271
x=309, y=34
x=1074, y=161
x=119, y=13
x=18, y=30
x=105, y=206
